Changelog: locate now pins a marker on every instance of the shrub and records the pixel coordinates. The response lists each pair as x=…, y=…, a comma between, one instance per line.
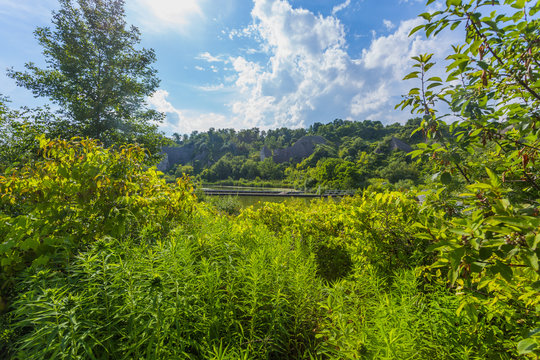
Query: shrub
x=78, y=193
x=374, y=230
x=227, y=204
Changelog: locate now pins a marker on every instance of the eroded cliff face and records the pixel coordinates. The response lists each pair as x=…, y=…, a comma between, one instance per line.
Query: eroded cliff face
x=393, y=145
x=265, y=153
x=175, y=155
x=301, y=149
x=304, y=147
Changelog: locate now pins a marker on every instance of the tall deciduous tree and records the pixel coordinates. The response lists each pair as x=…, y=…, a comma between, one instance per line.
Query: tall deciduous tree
x=95, y=73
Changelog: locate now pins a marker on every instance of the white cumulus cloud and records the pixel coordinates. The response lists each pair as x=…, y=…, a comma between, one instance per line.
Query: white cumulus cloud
x=308, y=74
x=206, y=56
x=340, y=7
x=389, y=25
x=185, y=121
x=167, y=15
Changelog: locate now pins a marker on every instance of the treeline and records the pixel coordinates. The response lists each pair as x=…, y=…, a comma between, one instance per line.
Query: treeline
x=354, y=154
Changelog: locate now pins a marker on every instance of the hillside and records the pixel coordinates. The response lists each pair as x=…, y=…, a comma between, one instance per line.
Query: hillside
x=340, y=155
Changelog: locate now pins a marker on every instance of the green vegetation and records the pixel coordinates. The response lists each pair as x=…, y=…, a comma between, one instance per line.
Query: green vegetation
x=354, y=153
x=101, y=258
x=152, y=273
x=487, y=169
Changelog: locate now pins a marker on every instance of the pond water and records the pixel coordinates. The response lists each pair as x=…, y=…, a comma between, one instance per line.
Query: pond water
x=244, y=188
x=258, y=201
x=254, y=199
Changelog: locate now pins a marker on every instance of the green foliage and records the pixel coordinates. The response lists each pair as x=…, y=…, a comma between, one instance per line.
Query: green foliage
x=19, y=129
x=78, y=193
x=375, y=230
x=228, y=204
x=400, y=168
x=358, y=150
x=139, y=269
x=182, y=170
x=95, y=74
x=365, y=319
x=335, y=173
x=101, y=259
x=222, y=285
x=488, y=244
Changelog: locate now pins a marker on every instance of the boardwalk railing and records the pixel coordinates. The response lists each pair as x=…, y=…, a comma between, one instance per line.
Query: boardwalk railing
x=286, y=193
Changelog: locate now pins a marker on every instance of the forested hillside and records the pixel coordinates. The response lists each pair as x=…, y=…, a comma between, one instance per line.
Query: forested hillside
x=350, y=155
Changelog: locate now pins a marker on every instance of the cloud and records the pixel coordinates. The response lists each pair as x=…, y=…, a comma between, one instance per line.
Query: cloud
x=307, y=75
x=186, y=121
x=246, y=32
x=165, y=15
x=211, y=87
x=388, y=24
x=206, y=56
x=340, y=7
x=311, y=77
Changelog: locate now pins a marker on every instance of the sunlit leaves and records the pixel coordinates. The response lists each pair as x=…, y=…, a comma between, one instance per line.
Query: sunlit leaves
x=492, y=93
x=79, y=192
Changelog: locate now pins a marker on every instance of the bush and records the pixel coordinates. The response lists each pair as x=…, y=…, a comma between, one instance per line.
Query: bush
x=227, y=204
x=374, y=230
x=78, y=193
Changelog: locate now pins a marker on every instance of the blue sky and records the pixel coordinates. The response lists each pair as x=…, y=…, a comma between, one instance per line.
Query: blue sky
x=255, y=63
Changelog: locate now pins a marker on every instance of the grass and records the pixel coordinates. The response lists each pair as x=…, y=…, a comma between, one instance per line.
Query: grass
x=238, y=290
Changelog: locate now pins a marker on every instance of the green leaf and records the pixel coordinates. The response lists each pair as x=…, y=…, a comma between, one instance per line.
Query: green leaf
x=426, y=16
x=446, y=178
x=504, y=270
x=533, y=241
x=455, y=257
x=455, y=25
x=483, y=65
x=453, y=2
x=532, y=260
x=518, y=4
x=413, y=75
x=415, y=29
x=42, y=260
x=494, y=179
x=527, y=346
x=521, y=222
x=485, y=253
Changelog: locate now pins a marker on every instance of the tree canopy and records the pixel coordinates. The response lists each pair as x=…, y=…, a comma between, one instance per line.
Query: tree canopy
x=95, y=73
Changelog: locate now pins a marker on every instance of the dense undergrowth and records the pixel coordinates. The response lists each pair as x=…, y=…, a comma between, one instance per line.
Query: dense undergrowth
x=183, y=280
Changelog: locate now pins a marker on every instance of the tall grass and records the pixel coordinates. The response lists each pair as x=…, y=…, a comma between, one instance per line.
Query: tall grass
x=241, y=290
x=367, y=319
